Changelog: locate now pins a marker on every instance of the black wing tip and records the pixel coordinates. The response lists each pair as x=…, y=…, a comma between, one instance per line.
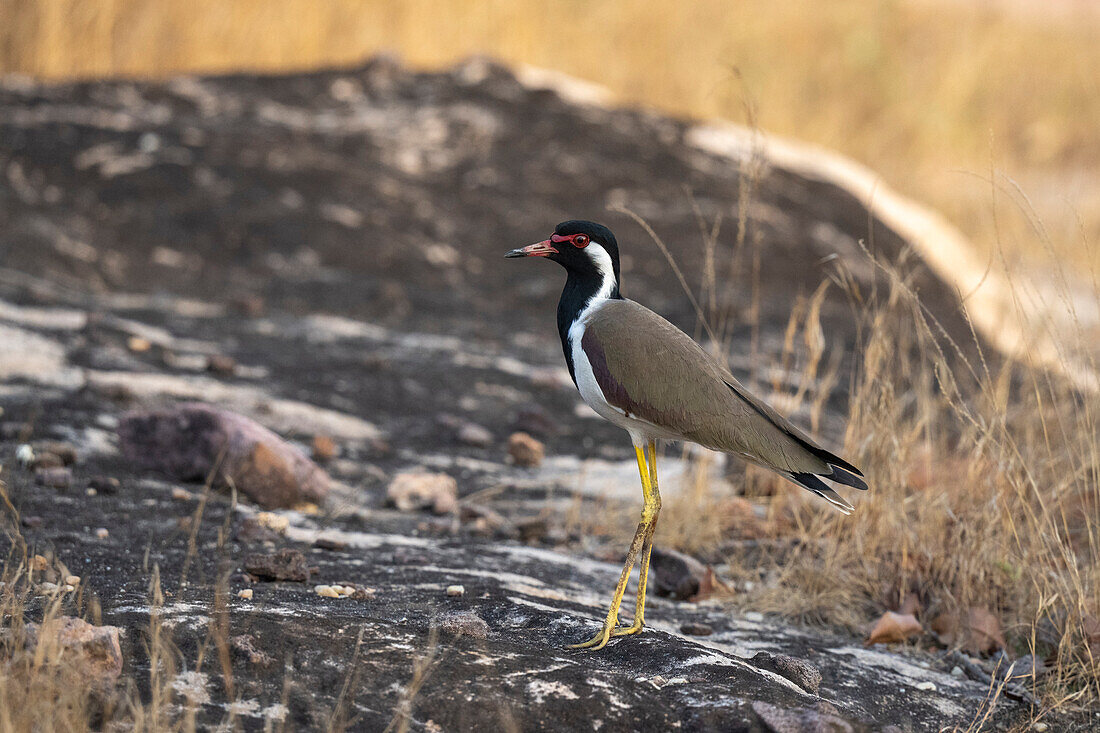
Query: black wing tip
x=812, y=483
x=847, y=478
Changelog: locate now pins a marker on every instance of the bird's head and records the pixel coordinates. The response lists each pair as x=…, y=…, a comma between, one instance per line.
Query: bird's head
x=584, y=248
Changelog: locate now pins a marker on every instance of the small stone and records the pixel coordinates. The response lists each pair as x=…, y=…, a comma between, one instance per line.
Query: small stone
x=47, y=588
x=676, y=574
x=658, y=681
x=54, y=478
x=324, y=448
x=798, y=671
x=221, y=364
x=754, y=616
x=39, y=564
x=32, y=522
x=696, y=629
x=326, y=591
x=286, y=564
x=138, y=344
x=245, y=594
x=72, y=580
x=525, y=451
x=181, y=494
x=465, y=623
x=926, y=686
x=957, y=671
x=475, y=435
x=68, y=588
x=102, y=533
x=246, y=644
x=455, y=590
x=678, y=681
x=1040, y=726
x=417, y=490
x=90, y=492
x=104, y=484
x=274, y=522
x=364, y=594
x=24, y=454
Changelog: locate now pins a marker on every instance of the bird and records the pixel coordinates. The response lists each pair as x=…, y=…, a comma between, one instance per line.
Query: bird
x=643, y=374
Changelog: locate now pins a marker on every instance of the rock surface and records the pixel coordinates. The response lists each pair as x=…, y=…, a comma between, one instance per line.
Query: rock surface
x=336, y=237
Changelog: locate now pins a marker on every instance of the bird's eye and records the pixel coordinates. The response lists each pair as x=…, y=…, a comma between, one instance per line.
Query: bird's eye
x=580, y=241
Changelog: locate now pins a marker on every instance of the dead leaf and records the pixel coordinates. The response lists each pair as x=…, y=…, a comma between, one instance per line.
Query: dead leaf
x=893, y=627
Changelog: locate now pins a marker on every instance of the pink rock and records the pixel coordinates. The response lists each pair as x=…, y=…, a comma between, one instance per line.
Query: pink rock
x=91, y=652
x=187, y=442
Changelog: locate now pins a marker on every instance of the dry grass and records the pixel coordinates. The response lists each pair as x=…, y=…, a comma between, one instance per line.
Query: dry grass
x=944, y=99
x=41, y=689
x=984, y=476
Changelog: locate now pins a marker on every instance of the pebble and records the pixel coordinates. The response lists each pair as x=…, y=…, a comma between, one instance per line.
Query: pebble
x=455, y=590
x=417, y=489
x=68, y=588
x=525, y=451
x=246, y=594
x=72, y=580
x=181, y=494
x=39, y=563
x=475, y=435
x=326, y=591
x=274, y=522
x=104, y=484
x=696, y=629
x=24, y=454
x=138, y=344
x=102, y=533
x=47, y=588
x=1040, y=726
x=957, y=671
x=754, y=616
x=221, y=364
x=90, y=491
x=926, y=686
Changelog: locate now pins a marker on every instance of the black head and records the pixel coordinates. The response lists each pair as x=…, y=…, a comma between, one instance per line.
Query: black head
x=583, y=248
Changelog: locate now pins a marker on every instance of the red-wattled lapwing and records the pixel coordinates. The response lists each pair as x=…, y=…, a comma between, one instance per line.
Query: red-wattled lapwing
x=648, y=377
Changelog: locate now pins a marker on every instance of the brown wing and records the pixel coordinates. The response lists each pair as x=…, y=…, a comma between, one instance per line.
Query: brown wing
x=656, y=372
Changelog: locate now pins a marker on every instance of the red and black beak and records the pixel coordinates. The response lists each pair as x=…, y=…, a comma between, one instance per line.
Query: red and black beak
x=545, y=248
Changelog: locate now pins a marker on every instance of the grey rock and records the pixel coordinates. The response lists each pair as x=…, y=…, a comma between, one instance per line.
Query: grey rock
x=675, y=574
x=286, y=564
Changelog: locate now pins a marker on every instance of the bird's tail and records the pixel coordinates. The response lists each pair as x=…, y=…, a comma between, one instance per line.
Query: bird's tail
x=810, y=482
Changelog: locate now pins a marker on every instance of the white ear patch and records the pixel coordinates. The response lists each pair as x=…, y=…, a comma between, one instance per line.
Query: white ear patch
x=602, y=260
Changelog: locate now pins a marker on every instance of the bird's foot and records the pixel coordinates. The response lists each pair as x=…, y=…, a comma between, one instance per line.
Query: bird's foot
x=634, y=628
x=606, y=634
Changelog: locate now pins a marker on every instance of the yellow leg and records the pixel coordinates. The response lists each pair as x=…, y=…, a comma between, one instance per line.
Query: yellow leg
x=653, y=508
x=643, y=541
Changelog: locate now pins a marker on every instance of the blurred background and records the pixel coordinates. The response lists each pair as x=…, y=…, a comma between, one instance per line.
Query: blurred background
x=987, y=110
